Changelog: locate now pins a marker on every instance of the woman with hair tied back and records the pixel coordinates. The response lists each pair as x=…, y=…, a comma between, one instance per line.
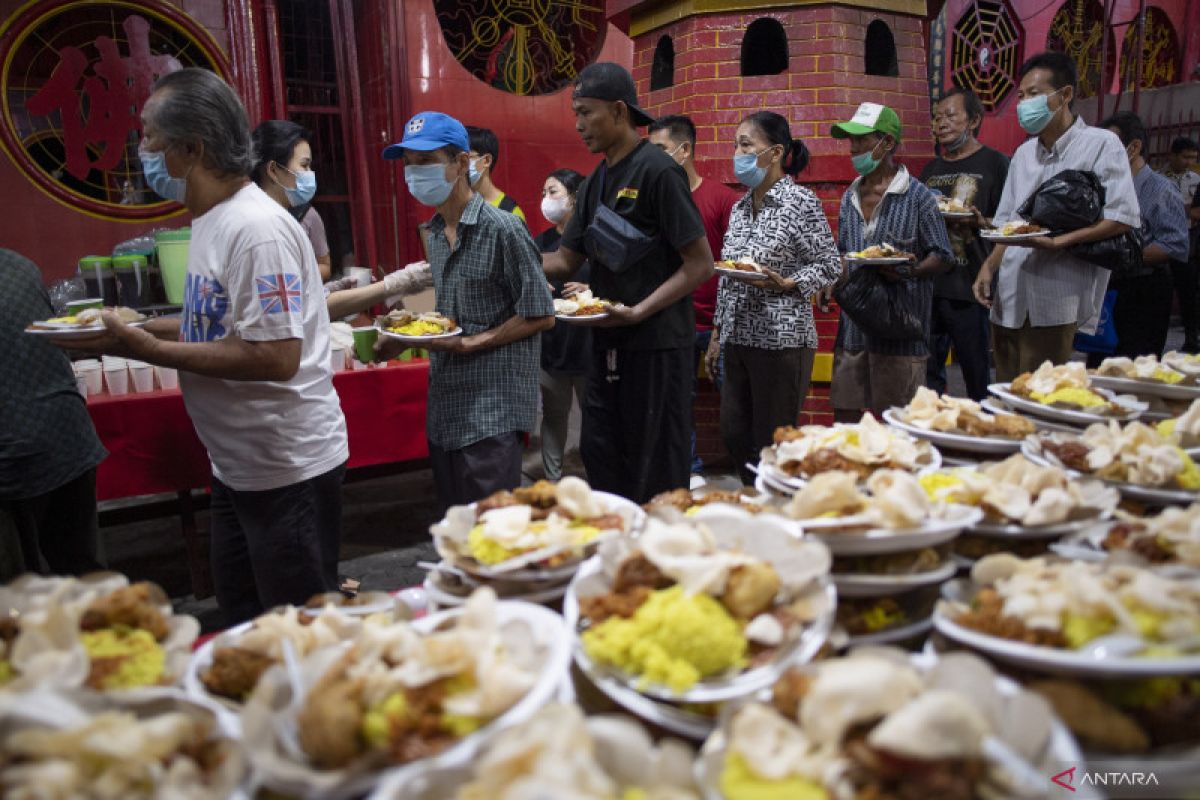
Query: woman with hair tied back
x=284, y=171
x=764, y=321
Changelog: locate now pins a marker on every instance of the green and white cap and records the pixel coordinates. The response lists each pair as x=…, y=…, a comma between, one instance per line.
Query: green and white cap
x=870, y=118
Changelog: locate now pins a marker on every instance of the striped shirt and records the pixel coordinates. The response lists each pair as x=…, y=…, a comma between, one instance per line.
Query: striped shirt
x=1164, y=219
x=907, y=217
x=1053, y=287
x=791, y=236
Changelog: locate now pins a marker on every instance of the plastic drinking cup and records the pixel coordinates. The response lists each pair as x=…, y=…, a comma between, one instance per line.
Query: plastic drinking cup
x=167, y=377
x=364, y=343
x=117, y=379
x=142, y=375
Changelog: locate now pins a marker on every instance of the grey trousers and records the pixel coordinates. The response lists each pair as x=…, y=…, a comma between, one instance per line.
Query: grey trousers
x=557, y=391
x=763, y=390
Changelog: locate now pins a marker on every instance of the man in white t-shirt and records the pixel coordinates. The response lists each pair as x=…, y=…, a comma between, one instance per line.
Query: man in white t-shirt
x=252, y=348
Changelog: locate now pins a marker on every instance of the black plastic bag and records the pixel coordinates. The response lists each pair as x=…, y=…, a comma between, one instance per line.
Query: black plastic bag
x=1070, y=200
x=1122, y=255
x=876, y=307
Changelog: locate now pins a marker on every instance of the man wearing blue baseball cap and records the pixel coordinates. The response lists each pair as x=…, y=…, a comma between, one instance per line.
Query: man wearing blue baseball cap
x=487, y=275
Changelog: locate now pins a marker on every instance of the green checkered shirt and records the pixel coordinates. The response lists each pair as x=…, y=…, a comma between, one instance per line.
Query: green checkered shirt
x=493, y=274
x=46, y=436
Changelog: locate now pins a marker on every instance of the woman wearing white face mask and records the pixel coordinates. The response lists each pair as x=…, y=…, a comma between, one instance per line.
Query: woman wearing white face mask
x=284, y=171
x=765, y=323
x=566, y=349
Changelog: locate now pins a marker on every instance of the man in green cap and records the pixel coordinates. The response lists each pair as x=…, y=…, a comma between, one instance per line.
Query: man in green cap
x=885, y=205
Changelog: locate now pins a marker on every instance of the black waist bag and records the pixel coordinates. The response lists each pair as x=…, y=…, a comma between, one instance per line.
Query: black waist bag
x=876, y=308
x=612, y=241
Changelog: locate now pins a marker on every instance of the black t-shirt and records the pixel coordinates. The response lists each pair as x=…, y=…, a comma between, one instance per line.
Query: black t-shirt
x=566, y=348
x=975, y=180
x=650, y=191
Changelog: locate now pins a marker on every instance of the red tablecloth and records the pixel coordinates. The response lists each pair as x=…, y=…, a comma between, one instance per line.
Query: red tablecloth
x=153, y=448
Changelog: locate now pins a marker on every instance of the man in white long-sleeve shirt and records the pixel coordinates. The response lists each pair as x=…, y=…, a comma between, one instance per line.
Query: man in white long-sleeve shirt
x=1044, y=294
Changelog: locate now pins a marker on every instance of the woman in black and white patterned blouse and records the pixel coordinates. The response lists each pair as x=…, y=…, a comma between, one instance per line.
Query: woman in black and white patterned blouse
x=764, y=323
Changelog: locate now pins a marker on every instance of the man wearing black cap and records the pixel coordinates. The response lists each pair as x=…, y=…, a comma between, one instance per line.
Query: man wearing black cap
x=636, y=222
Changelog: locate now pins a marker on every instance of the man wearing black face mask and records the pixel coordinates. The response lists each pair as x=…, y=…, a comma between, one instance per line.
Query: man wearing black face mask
x=970, y=176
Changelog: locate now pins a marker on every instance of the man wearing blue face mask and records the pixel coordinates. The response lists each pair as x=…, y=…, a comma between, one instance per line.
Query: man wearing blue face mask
x=1043, y=294
x=252, y=350
x=487, y=275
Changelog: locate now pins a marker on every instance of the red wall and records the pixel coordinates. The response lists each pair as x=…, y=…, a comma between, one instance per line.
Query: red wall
x=50, y=233
x=1000, y=130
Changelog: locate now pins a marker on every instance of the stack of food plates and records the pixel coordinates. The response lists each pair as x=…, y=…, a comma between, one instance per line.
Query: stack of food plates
x=1065, y=394
x=1166, y=542
x=891, y=546
x=687, y=502
x=882, y=723
x=1143, y=464
x=695, y=613
x=397, y=699
x=862, y=448
x=1026, y=506
x=526, y=544
x=97, y=633
x=560, y=753
x=1115, y=648
x=957, y=424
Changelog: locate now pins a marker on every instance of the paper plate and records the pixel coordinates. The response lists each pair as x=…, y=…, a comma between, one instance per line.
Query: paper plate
x=878, y=541
x=743, y=275
x=1011, y=238
x=864, y=585
x=401, y=337
x=74, y=331
x=1054, y=660
x=1167, y=391
x=1133, y=409
x=953, y=441
x=580, y=317
x=879, y=262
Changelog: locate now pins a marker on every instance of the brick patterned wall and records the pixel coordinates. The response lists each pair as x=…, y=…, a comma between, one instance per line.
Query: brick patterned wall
x=824, y=83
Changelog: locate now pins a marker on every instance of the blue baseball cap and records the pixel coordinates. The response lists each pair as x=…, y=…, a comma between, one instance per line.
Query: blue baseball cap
x=429, y=130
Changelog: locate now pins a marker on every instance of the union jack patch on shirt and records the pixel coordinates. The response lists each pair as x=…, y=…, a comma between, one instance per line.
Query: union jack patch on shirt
x=279, y=293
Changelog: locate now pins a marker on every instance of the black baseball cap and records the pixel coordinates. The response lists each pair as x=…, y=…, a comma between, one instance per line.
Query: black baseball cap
x=605, y=80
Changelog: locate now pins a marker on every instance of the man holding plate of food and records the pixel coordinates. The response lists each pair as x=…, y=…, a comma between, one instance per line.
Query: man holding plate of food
x=637, y=225
x=492, y=302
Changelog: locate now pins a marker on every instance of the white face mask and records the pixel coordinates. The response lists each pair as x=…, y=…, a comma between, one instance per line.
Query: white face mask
x=555, y=209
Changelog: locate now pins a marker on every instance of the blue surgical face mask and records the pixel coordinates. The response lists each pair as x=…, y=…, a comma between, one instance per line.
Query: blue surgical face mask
x=473, y=173
x=427, y=183
x=865, y=163
x=306, y=187
x=747, y=170
x=1034, y=114
x=154, y=167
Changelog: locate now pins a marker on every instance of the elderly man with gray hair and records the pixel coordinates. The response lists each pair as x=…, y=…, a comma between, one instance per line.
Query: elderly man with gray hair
x=252, y=347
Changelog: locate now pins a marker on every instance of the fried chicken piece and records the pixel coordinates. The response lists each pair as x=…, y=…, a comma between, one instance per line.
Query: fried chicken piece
x=130, y=606
x=1011, y=426
x=501, y=499
x=1020, y=384
x=787, y=433
x=235, y=672
x=1120, y=534
x=826, y=460
x=987, y=616
x=1090, y=718
x=676, y=498
x=613, y=604
x=330, y=721
x=606, y=522
x=789, y=691
x=890, y=778
x=1073, y=455
x=751, y=590
x=542, y=494
x=637, y=570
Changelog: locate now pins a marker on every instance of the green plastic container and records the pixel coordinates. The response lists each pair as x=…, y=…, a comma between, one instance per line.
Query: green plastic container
x=172, y=248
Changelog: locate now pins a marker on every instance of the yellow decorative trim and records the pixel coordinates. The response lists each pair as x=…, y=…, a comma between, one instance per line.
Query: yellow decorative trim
x=658, y=16
x=822, y=368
